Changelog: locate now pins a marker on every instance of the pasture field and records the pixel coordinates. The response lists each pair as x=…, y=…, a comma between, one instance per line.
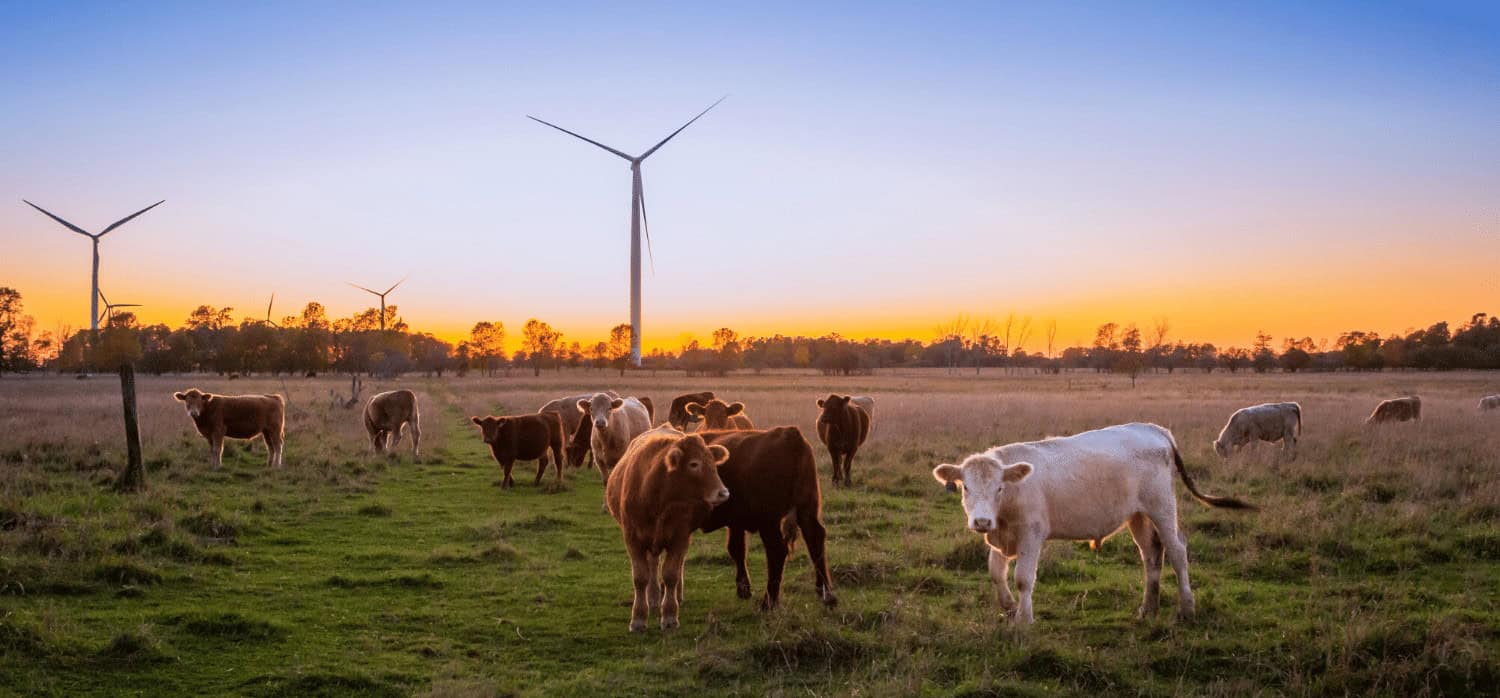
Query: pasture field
x=1372, y=567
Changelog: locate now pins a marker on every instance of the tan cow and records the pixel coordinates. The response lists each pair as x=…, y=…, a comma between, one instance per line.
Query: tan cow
x=664, y=487
x=718, y=415
x=615, y=421
x=1491, y=402
x=237, y=417
x=576, y=443
x=1401, y=409
x=1274, y=421
x=385, y=415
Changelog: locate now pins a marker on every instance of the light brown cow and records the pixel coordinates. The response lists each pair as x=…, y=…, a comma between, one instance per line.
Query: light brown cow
x=1401, y=409
x=523, y=437
x=576, y=441
x=616, y=422
x=386, y=413
x=237, y=417
x=716, y=414
x=1491, y=402
x=663, y=488
x=1273, y=421
x=843, y=427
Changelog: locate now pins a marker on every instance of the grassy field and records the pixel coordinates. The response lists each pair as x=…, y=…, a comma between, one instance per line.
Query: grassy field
x=1373, y=566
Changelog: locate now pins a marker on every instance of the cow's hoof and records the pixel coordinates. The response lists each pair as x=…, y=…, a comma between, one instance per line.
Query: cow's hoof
x=742, y=590
x=637, y=626
x=1185, y=615
x=669, y=623
x=1145, y=612
x=829, y=600
x=767, y=603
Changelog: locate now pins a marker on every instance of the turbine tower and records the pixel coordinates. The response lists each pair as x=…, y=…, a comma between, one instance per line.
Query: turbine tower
x=366, y=290
x=109, y=309
x=94, y=296
x=637, y=221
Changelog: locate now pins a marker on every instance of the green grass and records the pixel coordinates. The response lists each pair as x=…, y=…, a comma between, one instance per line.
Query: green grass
x=350, y=575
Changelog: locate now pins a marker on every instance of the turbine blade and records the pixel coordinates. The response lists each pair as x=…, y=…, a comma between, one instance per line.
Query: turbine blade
x=663, y=142
x=103, y=313
x=601, y=145
x=646, y=226
x=125, y=305
x=394, y=285
x=126, y=219
x=362, y=288
x=103, y=298
x=66, y=224
x=268, y=307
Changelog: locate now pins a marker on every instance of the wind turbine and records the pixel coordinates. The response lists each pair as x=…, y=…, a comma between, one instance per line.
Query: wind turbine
x=94, y=297
x=637, y=221
x=377, y=293
x=269, y=321
x=109, y=310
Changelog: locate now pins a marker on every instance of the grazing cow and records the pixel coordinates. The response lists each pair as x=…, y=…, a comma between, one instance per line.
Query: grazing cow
x=576, y=429
x=1489, y=403
x=773, y=491
x=1275, y=421
x=1401, y=409
x=865, y=403
x=523, y=437
x=677, y=414
x=1082, y=487
x=665, y=486
x=718, y=415
x=842, y=427
x=386, y=413
x=650, y=409
x=237, y=417
x=615, y=422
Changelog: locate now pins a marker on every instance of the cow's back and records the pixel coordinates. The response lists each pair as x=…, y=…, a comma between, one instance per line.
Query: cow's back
x=391, y=409
x=246, y=416
x=769, y=473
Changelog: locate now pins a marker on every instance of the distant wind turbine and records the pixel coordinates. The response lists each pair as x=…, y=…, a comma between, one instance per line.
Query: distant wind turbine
x=269, y=321
x=94, y=296
x=108, y=315
x=637, y=221
x=380, y=294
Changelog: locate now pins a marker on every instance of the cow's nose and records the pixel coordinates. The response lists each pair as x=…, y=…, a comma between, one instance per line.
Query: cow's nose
x=722, y=495
x=982, y=525
x=598, y=425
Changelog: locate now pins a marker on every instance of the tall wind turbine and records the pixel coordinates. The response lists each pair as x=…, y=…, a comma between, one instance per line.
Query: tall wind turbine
x=377, y=293
x=109, y=310
x=94, y=297
x=637, y=221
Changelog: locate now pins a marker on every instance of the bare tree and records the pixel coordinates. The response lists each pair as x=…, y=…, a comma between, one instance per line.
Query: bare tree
x=951, y=336
x=1023, y=333
x=1051, y=335
x=982, y=339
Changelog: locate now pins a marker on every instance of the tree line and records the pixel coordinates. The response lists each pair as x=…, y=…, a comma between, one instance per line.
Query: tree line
x=210, y=340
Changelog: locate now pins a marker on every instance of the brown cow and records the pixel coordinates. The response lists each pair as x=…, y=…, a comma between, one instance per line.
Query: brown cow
x=842, y=427
x=662, y=489
x=773, y=490
x=237, y=417
x=386, y=413
x=677, y=414
x=523, y=437
x=718, y=415
x=1401, y=409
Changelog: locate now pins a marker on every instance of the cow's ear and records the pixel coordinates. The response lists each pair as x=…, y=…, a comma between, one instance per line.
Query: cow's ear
x=694, y=409
x=180, y=397
x=583, y=406
x=820, y=402
x=948, y=474
x=674, y=458
x=719, y=453
x=735, y=408
x=616, y=403
x=476, y=420
x=1016, y=473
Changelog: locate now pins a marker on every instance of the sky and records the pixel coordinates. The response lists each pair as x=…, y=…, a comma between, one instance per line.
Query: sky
x=878, y=168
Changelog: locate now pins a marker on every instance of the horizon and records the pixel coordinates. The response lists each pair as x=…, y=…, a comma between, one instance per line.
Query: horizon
x=1298, y=171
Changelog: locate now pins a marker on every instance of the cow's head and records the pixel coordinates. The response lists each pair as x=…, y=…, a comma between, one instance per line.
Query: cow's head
x=194, y=400
x=1221, y=446
x=679, y=416
x=983, y=479
x=833, y=408
x=597, y=408
x=695, y=464
x=716, y=413
x=492, y=428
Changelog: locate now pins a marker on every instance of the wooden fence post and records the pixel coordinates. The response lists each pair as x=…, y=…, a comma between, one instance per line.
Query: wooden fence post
x=134, y=477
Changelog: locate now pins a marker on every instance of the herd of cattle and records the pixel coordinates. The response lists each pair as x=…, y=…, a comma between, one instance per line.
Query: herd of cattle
x=707, y=467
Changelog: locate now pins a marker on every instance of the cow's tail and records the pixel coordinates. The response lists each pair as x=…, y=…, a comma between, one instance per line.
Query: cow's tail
x=790, y=531
x=1210, y=500
x=1298, y=409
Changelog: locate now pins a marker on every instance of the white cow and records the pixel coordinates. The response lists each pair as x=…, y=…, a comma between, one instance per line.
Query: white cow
x=616, y=422
x=1491, y=402
x=1273, y=421
x=865, y=403
x=1083, y=487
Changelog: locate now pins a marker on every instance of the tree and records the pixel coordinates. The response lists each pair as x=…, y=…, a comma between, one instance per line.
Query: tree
x=1261, y=357
x=487, y=346
x=539, y=341
x=618, y=350
x=950, y=340
x=15, y=333
x=1131, y=360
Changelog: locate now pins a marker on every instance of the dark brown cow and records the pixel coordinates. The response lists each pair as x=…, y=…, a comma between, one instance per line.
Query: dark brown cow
x=773, y=491
x=237, y=417
x=523, y=437
x=662, y=489
x=678, y=415
x=842, y=427
x=386, y=413
x=650, y=408
x=716, y=414
x=1401, y=409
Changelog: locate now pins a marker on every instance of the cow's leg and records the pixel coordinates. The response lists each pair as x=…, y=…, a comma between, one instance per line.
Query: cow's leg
x=506, y=482
x=817, y=551
x=273, y=449
x=416, y=438
x=1289, y=447
x=848, y=464
x=1171, y=538
x=653, y=585
x=1000, y=574
x=216, y=451
x=833, y=457
x=735, y=542
x=673, y=561
x=395, y=440
x=1148, y=541
x=377, y=441
x=775, y=545
x=1031, y=554
x=557, y=457
x=642, y=577
x=541, y=468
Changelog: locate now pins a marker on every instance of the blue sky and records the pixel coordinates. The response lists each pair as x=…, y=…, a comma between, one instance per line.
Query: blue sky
x=877, y=167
